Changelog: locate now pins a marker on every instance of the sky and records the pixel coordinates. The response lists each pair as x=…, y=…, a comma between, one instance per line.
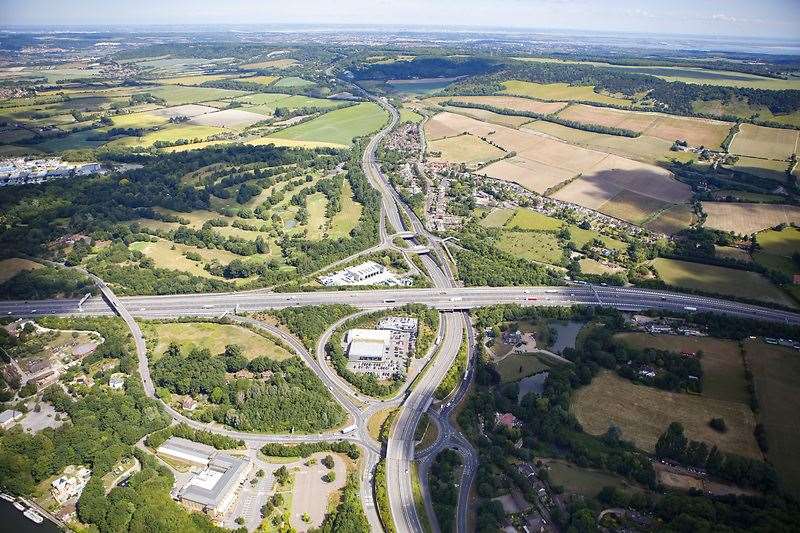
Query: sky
x=756, y=18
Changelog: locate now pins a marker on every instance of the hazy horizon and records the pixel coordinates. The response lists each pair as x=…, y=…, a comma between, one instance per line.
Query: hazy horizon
x=771, y=19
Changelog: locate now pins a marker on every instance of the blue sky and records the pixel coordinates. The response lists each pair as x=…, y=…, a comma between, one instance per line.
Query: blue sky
x=763, y=18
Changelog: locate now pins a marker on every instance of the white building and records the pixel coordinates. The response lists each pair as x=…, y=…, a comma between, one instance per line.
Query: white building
x=383, y=351
x=21, y=171
x=116, y=381
x=368, y=344
x=214, y=488
x=187, y=451
x=367, y=273
x=71, y=484
x=9, y=417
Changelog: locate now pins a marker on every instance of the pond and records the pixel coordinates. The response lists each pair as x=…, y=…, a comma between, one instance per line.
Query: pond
x=566, y=332
x=534, y=383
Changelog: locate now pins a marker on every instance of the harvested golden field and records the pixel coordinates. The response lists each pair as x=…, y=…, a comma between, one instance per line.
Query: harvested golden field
x=532, y=175
x=696, y=131
x=543, y=162
x=615, y=174
x=591, y=266
x=745, y=218
x=767, y=143
x=464, y=149
x=673, y=220
x=730, y=252
x=763, y=168
x=492, y=118
x=195, y=79
x=261, y=80
x=644, y=148
x=643, y=413
x=634, y=207
x=606, y=116
x=274, y=63
x=11, y=267
x=508, y=102
x=776, y=372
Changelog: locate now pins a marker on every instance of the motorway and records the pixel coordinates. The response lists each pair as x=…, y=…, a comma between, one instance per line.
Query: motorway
x=444, y=299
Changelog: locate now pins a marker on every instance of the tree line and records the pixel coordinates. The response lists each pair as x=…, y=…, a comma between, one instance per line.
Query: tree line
x=549, y=117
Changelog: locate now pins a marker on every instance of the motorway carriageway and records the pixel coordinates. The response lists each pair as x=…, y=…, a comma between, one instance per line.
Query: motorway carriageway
x=447, y=299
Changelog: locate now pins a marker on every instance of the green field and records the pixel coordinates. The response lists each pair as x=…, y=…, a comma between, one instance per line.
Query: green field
x=776, y=372
x=179, y=95
x=528, y=219
x=587, y=482
x=683, y=74
x=560, y=92
x=407, y=115
x=340, y=126
x=785, y=242
x=172, y=133
x=215, y=337
x=517, y=366
x=345, y=220
x=266, y=103
x=534, y=246
x=723, y=367
x=497, y=218
x=591, y=266
x=73, y=141
x=720, y=280
x=776, y=249
x=293, y=81
x=532, y=220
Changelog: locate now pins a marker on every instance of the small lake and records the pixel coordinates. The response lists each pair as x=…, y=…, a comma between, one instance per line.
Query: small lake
x=419, y=86
x=566, y=333
x=534, y=383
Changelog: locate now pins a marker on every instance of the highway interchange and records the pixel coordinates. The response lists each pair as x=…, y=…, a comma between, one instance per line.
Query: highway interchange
x=412, y=401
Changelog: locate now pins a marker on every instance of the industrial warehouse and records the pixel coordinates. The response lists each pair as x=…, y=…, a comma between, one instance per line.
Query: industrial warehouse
x=382, y=351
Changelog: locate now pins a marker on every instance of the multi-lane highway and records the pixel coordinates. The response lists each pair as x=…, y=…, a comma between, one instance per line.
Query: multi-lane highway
x=445, y=299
